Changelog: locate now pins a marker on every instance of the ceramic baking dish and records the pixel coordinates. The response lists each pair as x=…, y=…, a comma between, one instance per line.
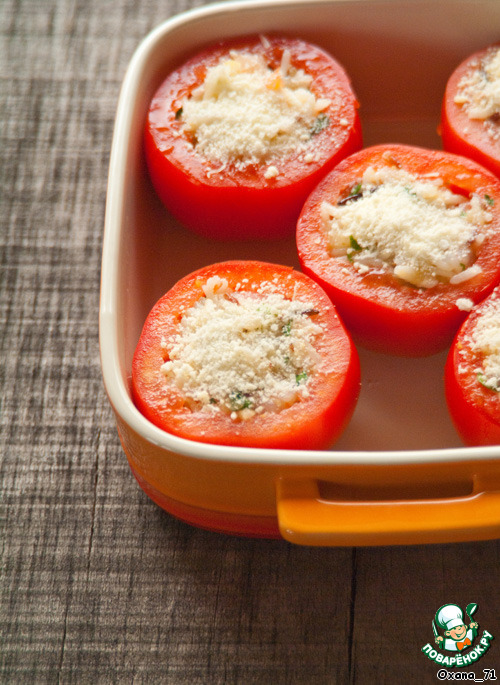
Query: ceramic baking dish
x=399, y=474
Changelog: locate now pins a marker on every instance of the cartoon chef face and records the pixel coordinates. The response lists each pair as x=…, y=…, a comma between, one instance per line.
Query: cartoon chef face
x=457, y=633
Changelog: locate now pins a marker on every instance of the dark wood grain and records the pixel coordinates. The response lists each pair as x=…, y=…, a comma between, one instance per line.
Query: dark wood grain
x=99, y=585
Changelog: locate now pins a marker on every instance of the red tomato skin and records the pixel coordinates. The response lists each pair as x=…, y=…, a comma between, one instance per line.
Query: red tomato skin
x=380, y=312
x=475, y=410
x=243, y=204
x=460, y=134
x=310, y=424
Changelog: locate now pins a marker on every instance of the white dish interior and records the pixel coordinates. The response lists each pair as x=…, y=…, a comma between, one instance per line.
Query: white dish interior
x=399, y=55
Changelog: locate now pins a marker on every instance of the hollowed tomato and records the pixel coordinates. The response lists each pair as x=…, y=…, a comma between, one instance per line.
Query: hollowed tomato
x=229, y=194
x=473, y=386
x=247, y=354
x=383, y=311
x=476, y=136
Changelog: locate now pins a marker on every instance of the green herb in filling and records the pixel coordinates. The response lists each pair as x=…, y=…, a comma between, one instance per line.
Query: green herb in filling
x=354, y=244
x=488, y=384
x=355, y=193
x=301, y=377
x=320, y=123
x=239, y=400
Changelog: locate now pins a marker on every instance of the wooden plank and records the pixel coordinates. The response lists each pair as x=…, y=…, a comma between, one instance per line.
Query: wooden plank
x=98, y=584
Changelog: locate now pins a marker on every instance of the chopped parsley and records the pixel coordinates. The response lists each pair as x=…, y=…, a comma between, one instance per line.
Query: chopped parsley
x=354, y=244
x=488, y=383
x=320, y=123
x=239, y=400
x=355, y=193
x=301, y=377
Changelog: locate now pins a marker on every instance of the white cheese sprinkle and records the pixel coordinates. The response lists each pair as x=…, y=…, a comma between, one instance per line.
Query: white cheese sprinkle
x=245, y=113
x=416, y=229
x=479, y=92
x=243, y=352
x=271, y=172
x=465, y=304
x=484, y=340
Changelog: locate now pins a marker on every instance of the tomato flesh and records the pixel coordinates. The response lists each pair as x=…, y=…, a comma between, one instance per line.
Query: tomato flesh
x=241, y=202
x=381, y=311
x=474, y=408
x=312, y=422
x=459, y=133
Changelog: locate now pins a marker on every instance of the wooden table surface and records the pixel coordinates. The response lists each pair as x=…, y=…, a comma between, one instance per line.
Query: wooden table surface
x=98, y=584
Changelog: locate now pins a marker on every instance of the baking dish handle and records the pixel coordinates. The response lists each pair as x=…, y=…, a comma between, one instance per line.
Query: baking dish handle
x=305, y=518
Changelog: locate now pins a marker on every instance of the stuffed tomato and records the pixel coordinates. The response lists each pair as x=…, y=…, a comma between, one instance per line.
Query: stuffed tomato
x=472, y=375
x=238, y=136
x=404, y=240
x=470, y=117
x=250, y=354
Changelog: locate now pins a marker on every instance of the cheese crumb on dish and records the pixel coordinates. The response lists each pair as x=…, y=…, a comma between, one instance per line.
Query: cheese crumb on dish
x=414, y=228
x=243, y=353
x=479, y=92
x=484, y=340
x=246, y=113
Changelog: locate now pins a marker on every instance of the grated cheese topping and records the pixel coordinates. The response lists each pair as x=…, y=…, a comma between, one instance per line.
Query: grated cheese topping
x=484, y=340
x=479, y=92
x=411, y=227
x=245, y=113
x=243, y=353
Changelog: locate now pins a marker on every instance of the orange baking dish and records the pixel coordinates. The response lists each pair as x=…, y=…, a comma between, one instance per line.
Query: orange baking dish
x=399, y=474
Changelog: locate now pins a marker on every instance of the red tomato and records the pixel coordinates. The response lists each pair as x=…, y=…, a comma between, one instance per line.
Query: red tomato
x=382, y=311
x=478, y=139
x=321, y=408
x=474, y=407
x=230, y=200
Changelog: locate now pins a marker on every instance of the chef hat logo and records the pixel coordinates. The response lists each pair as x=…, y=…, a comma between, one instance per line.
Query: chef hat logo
x=457, y=646
x=449, y=616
